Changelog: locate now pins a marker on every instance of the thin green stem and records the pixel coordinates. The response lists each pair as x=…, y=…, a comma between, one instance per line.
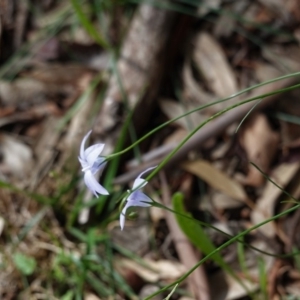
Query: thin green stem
x=246, y=116
x=166, y=159
x=211, y=104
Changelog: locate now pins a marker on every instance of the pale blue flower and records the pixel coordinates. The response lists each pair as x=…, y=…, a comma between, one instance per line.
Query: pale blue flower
x=136, y=197
x=92, y=163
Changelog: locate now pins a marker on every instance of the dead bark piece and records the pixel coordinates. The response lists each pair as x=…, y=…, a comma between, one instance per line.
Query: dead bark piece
x=139, y=68
x=260, y=143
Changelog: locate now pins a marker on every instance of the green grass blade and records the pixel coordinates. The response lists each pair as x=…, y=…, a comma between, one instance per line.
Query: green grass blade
x=88, y=26
x=263, y=281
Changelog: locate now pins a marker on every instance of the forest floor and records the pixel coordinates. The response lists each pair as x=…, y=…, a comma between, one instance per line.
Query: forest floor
x=207, y=92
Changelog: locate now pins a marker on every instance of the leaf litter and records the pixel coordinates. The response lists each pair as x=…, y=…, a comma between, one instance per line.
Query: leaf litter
x=53, y=233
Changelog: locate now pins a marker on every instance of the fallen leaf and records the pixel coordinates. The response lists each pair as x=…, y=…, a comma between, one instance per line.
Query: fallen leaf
x=215, y=178
x=16, y=157
x=286, y=59
x=265, y=205
x=214, y=67
x=260, y=143
x=158, y=270
x=90, y=296
x=192, y=91
x=222, y=201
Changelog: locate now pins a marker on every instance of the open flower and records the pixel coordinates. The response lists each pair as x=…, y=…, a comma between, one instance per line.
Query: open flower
x=136, y=197
x=91, y=163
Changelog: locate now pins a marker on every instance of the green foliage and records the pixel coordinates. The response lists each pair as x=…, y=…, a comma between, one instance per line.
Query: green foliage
x=194, y=231
x=25, y=264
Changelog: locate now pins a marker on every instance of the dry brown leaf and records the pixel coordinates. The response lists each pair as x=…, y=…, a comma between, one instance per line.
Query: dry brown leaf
x=24, y=91
x=192, y=90
x=17, y=157
x=264, y=71
x=260, y=143
x=222, y=201
x=216, y=178
x=286, y=59
x=91, y=296
x=266, y=203
x=211, y=60
x=158, y=270
x=148, y=290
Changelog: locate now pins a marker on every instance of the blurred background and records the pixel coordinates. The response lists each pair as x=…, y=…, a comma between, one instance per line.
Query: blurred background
x=122, y=68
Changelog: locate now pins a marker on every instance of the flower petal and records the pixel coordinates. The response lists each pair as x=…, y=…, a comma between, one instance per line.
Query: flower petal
x=83, y=144
x=123, y=216
x=138, y=198
x=139, y=182
x=92, y=152
x=98, y=165
x=94, y=185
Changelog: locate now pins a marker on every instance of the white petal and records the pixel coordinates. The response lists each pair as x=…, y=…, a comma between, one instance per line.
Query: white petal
x=139, y=182
x=98, y=165
x=83, y=144
x=123, y=216
x=138, y=198
x=92, y=152
x=94, y=185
